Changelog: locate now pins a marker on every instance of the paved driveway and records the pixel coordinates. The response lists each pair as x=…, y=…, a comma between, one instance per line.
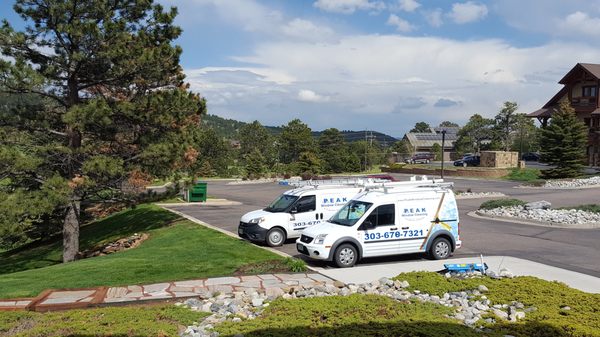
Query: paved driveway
x=572, y=249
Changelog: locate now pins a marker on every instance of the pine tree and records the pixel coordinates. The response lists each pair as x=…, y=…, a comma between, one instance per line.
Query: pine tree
x=112, y=111
x=563, y=143
x=255, y=164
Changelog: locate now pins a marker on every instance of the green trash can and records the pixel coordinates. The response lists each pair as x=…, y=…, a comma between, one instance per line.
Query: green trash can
x=197, y=192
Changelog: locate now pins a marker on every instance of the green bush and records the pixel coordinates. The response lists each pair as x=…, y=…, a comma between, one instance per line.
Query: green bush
x=490, y=204
x=397, y=166
x=593, y=208
x=296, y=265
x=524, y=174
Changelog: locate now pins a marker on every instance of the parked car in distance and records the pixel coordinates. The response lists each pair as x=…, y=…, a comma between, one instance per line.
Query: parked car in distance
x=531, y=156
x=421, y=158
x=468, y=161
x=382, y=176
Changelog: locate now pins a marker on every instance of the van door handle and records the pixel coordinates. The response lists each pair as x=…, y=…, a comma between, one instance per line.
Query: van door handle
x=394, y=229
x=321, y=216
x=405, y=227
x=317, y=216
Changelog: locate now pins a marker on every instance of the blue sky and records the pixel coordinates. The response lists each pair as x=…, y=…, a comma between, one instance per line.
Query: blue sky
x=379, y=64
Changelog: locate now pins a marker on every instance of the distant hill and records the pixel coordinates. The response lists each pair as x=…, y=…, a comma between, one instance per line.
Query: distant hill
x=229, y=128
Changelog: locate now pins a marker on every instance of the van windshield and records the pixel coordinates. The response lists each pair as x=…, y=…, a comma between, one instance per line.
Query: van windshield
x=281, y=204
x=350, y=213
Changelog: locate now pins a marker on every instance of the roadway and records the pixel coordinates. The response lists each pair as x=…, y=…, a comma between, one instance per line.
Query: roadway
x=573, y=249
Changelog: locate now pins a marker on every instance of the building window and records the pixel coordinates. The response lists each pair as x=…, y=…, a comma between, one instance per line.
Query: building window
x=589, y=91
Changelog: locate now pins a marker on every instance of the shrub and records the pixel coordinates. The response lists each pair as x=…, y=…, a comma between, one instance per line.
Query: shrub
x=296, y=265
x=490, y=204
x=593, y=208
x=524, y=174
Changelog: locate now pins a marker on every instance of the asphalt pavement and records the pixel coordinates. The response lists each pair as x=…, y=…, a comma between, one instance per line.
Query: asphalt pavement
x=572, y=249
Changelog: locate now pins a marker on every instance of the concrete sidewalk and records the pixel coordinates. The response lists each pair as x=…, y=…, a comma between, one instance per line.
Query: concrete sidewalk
x=519, y=267
x=65, y=299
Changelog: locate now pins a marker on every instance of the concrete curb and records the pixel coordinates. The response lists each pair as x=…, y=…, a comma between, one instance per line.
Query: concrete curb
x=474, y=214
x=209, y=202
x=494, y=195
x=556, y=188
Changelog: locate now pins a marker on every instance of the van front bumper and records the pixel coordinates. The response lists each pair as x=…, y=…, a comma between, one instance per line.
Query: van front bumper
x=317, y=252
x=252, y=232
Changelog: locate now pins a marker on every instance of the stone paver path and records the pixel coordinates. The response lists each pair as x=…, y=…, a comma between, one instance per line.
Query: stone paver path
x=81, y=298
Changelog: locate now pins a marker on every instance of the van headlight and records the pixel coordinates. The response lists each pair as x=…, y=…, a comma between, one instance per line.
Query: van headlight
x=256, y=221
x=320, y=239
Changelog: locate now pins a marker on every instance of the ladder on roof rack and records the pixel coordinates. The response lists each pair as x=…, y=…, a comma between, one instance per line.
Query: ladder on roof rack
x=333, y=182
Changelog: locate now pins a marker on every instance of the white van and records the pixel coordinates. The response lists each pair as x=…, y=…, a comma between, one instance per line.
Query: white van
x=410, y=217
x=293, y=211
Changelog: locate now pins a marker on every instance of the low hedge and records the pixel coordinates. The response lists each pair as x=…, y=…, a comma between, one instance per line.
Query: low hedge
x=496, y=203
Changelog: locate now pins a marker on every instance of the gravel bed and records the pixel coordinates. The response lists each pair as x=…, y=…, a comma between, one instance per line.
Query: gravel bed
x=477, y=195
x=574, y=183
x=557, y=216
x=471, y=306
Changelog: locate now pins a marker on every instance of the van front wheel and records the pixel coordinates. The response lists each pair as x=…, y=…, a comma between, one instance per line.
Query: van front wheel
x=440, y=249
x=275, y=237
x=345, y=256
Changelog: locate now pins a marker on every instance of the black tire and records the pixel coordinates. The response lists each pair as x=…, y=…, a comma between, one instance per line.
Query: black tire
x=345, y=255
x=275, y=237
x=440, y=249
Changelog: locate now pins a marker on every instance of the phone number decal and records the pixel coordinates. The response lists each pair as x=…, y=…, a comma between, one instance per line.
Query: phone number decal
x=394, y=235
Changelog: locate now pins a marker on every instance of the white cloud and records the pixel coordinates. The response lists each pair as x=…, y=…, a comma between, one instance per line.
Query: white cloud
x=469, y=11
x=306, y=95
x=307, y=30
x=408, y=5
x=388, y=82
x=434, y=17
x=400, y=24
x=581, y=24
x=348, y=6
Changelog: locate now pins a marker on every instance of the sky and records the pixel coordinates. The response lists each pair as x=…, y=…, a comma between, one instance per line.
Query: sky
x=379, y=64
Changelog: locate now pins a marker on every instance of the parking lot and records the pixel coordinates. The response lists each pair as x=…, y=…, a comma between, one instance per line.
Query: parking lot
x=572, y=249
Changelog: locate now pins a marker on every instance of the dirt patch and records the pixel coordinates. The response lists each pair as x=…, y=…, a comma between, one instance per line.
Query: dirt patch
x=23, y=325
x=114, y=247
x=266, y=267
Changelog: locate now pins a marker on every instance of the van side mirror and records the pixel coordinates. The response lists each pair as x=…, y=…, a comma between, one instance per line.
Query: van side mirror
x=294, y=210
x=367, y=224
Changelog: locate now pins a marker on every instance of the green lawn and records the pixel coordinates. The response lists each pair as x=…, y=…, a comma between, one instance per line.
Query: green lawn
x=150, y=320
x=177, y=249
x=524, y=174
x=371, y=315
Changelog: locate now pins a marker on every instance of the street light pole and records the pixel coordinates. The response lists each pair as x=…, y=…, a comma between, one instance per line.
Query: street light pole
x=443, y=143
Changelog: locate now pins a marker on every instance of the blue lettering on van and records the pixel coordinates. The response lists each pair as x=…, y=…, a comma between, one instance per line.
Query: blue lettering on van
x=337, y=200
x=414, y=212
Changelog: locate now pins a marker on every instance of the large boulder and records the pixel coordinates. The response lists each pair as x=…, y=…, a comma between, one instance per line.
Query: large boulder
x=543, y=204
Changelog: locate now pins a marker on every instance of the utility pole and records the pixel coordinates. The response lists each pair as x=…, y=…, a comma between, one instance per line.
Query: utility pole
x=443, y=143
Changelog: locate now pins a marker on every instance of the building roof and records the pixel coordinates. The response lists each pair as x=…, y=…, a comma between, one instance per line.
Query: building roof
x=591, y=68
x=418, y=139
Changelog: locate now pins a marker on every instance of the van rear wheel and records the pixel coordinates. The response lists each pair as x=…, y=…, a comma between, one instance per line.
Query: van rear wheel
x=345, y=255
x=440, y=249
x=275, y=237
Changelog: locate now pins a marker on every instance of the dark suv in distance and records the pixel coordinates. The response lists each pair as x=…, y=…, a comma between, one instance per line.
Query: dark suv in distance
x=468, y=161
x=531, y=156
x=421, y=158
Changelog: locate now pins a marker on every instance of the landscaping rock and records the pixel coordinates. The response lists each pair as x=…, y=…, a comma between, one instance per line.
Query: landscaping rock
x=543, y=204
x=482, y=288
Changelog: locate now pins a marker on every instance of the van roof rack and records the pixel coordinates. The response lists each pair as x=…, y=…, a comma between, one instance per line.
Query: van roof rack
x=372, y=183
x=408, y=186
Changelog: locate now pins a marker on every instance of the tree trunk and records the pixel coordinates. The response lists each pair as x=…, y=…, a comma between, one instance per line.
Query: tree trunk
x=71, y=232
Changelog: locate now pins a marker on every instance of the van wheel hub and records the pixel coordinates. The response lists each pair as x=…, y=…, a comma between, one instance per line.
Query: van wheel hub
x=346, y=256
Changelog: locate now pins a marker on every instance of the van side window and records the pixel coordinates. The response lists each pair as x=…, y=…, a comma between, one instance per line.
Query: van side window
x=306, y=204
x=384, y=215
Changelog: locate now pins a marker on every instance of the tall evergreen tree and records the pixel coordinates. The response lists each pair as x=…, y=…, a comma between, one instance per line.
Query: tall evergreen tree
x=115, y=113
x=421, y=127
x=295, y=138
x=333, y=151
x=563, y=142
x=254, y=136
x=505, y=123
x=473, y=134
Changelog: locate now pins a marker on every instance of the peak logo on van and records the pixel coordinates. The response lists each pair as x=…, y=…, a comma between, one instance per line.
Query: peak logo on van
x=414, y=213
x=337, y=201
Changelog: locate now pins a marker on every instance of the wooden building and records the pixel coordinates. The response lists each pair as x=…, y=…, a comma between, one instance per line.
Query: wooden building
x=580, y=89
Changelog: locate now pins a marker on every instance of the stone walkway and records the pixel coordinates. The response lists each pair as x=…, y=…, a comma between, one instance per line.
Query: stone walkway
x=81, y=298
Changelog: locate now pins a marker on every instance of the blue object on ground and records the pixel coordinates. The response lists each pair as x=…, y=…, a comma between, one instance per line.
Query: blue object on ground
x=465, y=267
x=283, y=182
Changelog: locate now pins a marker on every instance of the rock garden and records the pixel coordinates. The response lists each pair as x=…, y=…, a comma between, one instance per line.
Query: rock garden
x=541, y=212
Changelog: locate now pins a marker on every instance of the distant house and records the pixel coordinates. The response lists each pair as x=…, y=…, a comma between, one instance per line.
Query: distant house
x=424, y=141
x=580, y=88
